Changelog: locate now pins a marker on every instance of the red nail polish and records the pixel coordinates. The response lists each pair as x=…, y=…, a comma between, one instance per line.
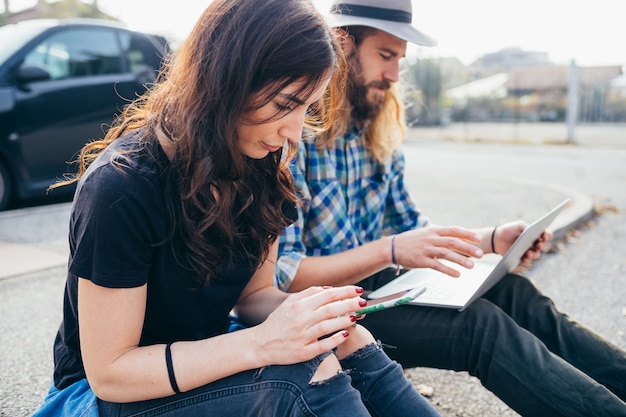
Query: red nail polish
x=345, y=333
x=362, y=303
x=359, y=290
x=352, y=319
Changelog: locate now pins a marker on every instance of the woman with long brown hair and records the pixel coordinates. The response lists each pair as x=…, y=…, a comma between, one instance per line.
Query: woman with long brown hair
x=174, y=227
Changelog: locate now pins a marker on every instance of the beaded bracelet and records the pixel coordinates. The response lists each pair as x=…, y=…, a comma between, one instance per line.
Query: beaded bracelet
x=393, y=255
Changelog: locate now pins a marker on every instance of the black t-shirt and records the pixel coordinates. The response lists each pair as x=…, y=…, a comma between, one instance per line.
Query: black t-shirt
x=117, y=228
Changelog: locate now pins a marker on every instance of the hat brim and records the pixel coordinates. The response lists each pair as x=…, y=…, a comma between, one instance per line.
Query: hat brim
x=404, y=31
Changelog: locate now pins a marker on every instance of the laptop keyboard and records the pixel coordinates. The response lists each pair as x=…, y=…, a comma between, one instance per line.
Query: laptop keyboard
x=436, y=289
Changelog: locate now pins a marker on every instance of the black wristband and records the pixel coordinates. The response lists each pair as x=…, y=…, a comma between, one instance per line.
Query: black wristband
x=493, y=235
x=170, y=368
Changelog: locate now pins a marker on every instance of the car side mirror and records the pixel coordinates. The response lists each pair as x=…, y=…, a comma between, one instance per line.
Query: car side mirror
x=30, y=73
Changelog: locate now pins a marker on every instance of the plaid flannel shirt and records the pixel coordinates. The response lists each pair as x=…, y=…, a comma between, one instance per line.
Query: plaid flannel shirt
x=349, y=198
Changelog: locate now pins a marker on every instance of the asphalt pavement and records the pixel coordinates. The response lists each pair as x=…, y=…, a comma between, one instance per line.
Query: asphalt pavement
x=33, y=258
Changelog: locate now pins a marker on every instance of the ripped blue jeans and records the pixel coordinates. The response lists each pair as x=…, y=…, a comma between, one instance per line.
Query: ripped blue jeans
x=371, y=385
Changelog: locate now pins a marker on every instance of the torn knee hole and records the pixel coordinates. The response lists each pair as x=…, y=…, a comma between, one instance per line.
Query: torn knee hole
x=326, y=370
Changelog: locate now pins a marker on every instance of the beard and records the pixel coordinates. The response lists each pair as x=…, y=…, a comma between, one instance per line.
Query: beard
x=363, y=110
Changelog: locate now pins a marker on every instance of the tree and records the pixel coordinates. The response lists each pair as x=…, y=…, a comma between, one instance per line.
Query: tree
x=71, y=8
x=62, y=9
x=423, y=93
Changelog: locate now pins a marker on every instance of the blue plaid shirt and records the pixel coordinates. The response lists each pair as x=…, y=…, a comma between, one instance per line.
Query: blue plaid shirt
x=349, y=198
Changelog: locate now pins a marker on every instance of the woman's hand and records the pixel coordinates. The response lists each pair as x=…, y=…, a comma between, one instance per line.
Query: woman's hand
x=307, y=324
x=423, y=247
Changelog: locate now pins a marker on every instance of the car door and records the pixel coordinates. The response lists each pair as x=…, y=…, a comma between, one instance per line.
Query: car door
x=89, y=83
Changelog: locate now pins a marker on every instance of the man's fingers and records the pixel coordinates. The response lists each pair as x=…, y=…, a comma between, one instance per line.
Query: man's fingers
x=460, y=233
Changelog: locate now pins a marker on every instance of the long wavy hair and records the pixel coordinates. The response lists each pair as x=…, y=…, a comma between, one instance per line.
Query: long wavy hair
x=237, y=58
x=386, y=131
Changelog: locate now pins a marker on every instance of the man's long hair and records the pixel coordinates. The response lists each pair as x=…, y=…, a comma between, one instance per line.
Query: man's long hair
x=239, y=55
x=385, y=132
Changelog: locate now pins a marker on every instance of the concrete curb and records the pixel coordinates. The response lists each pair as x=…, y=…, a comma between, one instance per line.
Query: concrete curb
x=580, y=209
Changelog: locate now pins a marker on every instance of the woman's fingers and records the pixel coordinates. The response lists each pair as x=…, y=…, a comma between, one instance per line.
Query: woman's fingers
x=326, y=344
x=293, y=331
x=328, y=302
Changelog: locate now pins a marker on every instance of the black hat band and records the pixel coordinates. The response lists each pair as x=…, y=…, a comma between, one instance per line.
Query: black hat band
x=372, y=12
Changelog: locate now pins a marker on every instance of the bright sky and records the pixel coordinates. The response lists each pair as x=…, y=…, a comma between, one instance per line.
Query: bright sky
x=589, y=32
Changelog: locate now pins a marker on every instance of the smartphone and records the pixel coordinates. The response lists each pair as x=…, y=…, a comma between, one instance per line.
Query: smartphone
x=391, y=300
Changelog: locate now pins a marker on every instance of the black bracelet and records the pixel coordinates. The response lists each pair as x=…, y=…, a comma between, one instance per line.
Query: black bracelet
x=493, y=235
x=170, y=368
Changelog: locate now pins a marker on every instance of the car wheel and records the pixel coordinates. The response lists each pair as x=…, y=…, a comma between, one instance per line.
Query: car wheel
x=5, y=187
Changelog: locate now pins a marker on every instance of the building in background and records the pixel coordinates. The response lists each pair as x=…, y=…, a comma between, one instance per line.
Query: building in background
x=508, y=86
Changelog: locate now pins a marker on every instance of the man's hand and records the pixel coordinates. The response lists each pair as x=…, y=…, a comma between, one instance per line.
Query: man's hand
x=421, y=248
x=507, y=233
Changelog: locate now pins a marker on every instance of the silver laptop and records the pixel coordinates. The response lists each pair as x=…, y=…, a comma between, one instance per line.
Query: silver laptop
x=448, y=292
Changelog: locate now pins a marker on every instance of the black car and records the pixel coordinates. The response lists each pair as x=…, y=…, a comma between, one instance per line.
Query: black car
x=61, y=84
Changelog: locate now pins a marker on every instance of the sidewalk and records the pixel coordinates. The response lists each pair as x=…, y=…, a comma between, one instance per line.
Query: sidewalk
x=596, y=134
x=33, y=239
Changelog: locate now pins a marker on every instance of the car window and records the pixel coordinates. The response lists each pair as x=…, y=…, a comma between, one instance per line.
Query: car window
x=15, y=36
x=75, y=53
x=138, y=52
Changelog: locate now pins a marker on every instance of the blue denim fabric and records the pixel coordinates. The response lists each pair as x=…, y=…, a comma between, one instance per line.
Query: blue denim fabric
x=235, y=324
x=284, y=391
x=383, y=387
x=533, y=357
x=77, y=400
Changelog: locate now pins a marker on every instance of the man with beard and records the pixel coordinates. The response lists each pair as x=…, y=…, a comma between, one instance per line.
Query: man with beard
x=358, y=224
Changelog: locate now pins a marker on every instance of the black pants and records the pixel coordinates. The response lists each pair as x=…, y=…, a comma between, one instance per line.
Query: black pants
x=534, y=358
